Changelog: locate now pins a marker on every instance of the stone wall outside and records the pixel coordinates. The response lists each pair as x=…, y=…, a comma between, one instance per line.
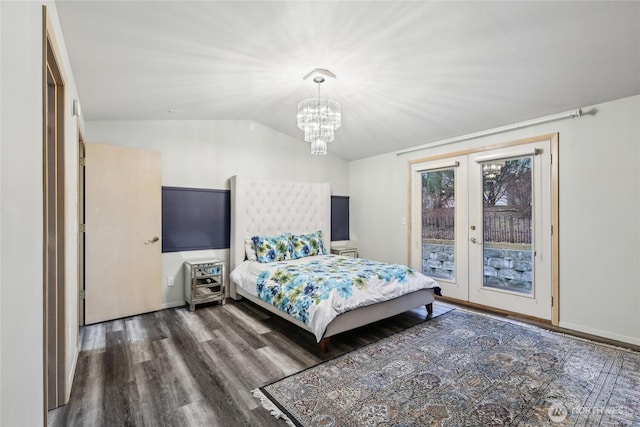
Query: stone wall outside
x=503, y=267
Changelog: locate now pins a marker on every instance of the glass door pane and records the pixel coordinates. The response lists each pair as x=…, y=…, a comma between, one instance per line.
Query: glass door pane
x=508, y=224
x=438, y=223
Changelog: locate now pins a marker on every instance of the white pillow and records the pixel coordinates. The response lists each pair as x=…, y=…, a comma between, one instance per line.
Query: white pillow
x=250, y=250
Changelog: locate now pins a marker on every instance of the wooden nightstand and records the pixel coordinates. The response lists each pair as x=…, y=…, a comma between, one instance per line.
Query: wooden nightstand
x=204, y=281
x=345, y=251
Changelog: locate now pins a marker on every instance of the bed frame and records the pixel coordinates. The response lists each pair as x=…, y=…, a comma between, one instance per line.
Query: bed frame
x=269, y=208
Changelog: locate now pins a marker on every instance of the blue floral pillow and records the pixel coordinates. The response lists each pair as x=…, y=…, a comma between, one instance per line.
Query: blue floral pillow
x=305, y=245
x=272, y=249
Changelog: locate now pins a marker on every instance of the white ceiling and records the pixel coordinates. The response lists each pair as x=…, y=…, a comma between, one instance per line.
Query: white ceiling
x=408, y=73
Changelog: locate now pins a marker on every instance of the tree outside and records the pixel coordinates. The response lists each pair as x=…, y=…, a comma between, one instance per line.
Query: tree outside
x=507, y=203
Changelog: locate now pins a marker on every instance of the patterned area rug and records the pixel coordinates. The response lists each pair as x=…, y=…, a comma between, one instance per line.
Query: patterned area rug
x=465, y=369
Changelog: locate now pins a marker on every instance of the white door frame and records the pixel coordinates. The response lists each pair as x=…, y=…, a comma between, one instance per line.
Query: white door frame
x=54, y=225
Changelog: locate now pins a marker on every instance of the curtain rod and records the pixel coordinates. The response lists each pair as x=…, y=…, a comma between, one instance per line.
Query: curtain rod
x=567, y=115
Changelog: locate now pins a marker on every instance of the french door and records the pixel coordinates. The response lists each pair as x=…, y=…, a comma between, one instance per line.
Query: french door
x=481, y=226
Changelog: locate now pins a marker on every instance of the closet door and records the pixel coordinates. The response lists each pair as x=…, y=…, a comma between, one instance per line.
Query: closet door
x=123, y=229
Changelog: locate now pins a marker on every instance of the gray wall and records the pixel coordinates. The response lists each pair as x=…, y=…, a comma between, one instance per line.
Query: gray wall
x=599, y=208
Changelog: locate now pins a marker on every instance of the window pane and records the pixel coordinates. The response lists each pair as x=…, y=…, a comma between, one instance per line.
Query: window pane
x=438, y=223
x=508, y=222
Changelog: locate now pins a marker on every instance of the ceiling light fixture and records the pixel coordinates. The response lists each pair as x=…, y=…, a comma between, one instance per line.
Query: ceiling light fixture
x=319, y=117
x=492, y=170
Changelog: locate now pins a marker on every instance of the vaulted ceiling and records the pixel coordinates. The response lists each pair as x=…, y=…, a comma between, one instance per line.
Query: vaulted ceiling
x=408, y=72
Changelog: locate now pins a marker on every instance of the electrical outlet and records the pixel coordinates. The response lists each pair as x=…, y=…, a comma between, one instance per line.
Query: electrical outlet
x=170, y=281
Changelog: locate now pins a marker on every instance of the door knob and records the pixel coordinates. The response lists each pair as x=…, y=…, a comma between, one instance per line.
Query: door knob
x=473, y=240
x=155, y=239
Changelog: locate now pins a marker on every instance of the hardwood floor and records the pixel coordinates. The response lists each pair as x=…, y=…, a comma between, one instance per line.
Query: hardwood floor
x=180, y=368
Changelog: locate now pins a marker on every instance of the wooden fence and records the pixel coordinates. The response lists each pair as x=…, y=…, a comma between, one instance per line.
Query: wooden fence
x=498, y=227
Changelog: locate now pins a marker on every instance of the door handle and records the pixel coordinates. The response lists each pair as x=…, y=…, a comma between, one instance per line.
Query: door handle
x=155, y=239
x=473, y=240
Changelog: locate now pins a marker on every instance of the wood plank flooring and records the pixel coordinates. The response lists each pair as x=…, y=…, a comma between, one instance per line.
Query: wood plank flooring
x=179, y=368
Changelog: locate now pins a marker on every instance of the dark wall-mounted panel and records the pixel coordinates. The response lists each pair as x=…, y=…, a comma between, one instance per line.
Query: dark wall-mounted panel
x=339, y=218
x=195, y=219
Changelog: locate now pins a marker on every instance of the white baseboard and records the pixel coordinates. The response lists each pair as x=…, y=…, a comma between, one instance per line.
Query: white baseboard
x=600, y=333
x=173, y=304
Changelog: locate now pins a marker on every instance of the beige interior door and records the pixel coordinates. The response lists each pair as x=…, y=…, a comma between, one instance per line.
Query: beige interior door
x=123, y=227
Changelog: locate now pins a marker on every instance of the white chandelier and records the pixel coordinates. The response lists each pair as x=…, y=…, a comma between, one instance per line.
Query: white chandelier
x=491, y=170
x=319, y=117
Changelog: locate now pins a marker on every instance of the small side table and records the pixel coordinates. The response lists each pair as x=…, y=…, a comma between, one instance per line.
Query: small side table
x=204, y=281
x=345, y=251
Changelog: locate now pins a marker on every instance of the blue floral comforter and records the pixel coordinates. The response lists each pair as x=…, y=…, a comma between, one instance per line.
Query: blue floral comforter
x=318, y=291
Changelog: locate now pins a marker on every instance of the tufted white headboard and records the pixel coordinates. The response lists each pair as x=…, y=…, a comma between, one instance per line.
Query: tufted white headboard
x=269, y=208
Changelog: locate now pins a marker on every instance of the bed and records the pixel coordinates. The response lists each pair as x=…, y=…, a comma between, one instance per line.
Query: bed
x=279, y=208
